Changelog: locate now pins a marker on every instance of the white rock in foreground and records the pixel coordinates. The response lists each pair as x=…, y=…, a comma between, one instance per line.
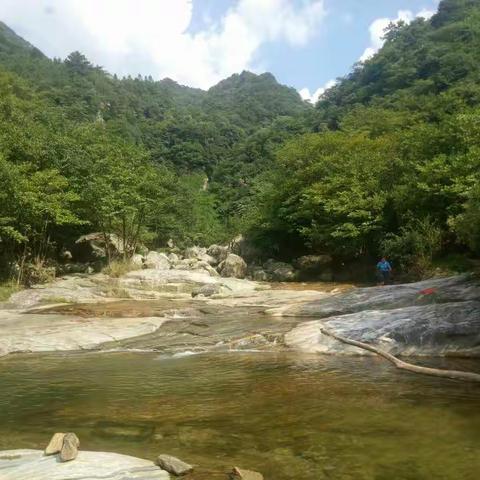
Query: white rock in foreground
x=34, y=465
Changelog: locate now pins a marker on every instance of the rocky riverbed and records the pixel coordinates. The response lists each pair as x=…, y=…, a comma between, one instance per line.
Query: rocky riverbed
x=174, y=311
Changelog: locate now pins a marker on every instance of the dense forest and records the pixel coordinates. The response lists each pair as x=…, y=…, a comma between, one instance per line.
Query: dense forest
x=387, y=161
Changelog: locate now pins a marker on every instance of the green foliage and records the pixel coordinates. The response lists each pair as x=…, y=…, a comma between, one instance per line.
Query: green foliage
x=414, y=246
x=395, y=164
x=467, y=223
x=389, y=158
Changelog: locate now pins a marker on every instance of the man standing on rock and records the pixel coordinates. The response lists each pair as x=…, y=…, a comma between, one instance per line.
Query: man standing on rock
x=384, y=270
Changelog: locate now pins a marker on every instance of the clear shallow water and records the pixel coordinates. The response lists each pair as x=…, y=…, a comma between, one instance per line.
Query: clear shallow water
x=288, y=416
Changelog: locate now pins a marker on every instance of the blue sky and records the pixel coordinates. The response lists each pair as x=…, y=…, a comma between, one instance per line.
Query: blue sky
x=304, y=43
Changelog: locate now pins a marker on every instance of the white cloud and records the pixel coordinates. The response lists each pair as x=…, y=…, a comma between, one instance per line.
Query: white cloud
x=314, y=97
x=152, y=37
x=378, y=26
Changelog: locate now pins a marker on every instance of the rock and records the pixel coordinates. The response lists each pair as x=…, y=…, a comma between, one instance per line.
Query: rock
x=258, y=274
x=42, y=332
x=280, y=271
x=66, y=255
x=137, y=260
x=233, y=266
x=208, y=268
x=157, y=261
x=170, y=243
x=200, y=254
x=452, y=289
x=244, y=248
x=173, y=258
x=93, y=247
x=55, y=444
x=206, y=290
x=218, y=253
x=173, y=465
x=70, y=446
x=240, y=474
x=194, y=252
x=448, y=329
x=33, y=465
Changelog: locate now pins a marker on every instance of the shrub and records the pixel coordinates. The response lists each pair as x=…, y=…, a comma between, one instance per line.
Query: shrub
x=414, y=247
x=117, y=268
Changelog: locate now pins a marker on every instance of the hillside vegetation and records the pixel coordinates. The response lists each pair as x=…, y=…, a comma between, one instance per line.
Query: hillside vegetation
x=393, y=165
x=387, y=161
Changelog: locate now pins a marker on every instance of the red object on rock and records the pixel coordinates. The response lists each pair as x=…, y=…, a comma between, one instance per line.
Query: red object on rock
x=428, y=291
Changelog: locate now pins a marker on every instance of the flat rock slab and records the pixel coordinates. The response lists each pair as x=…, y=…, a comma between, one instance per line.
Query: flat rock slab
x=460, y=288
x=438, y=330
x=25, y=332
x=34, y=465
x=174, y=465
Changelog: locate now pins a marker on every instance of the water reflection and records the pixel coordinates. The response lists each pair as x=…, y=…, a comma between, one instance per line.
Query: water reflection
x=288, y=416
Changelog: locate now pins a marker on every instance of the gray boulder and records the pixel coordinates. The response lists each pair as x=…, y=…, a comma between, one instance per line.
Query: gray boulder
x=96, y=246
x=194, y=252
x=137, y=260
x=244, y=248
x=33, y=465
x=280, y=271
x=173, y=465
x=157, y=261
x=173, y=258
x=233, y=266
x=258, y=274
x=55, y=444
x=218, y=252
x=70, y=446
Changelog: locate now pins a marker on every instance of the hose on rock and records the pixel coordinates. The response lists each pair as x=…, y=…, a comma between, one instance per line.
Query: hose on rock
x=455, y=374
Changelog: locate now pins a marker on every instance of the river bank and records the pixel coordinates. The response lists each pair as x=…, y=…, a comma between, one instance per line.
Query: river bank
x=173, y=311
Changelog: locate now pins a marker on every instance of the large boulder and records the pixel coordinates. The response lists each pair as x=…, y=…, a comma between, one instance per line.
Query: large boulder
x=34, y=465
x=194, y=252
x=244, y=248
x=97, y=246
x=233, y=266
x=258, y=274
x=157, y=261
x=280, y=271
x=218, y=252
x=137, y=260
x=201, y=254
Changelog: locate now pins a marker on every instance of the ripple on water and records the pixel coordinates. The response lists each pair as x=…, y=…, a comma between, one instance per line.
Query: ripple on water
x=290, y=416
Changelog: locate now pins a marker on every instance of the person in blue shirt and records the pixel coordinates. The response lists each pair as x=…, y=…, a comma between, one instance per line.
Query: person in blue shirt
x=384, y=271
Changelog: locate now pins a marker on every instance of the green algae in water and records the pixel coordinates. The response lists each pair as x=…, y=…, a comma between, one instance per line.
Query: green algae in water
x=288, y=416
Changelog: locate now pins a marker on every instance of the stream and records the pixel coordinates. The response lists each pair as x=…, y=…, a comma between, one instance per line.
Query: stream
x=288, y=415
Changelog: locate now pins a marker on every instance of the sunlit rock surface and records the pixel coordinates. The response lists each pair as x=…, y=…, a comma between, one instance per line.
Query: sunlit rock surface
x=434, y=317
x=34, y=465
x=54, y=332
x=442, y=329
x=441, y=290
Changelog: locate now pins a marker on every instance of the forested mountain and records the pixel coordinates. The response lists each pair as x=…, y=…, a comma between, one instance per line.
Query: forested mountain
x=83, y=150
x=395, y=164
x=387, y=161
